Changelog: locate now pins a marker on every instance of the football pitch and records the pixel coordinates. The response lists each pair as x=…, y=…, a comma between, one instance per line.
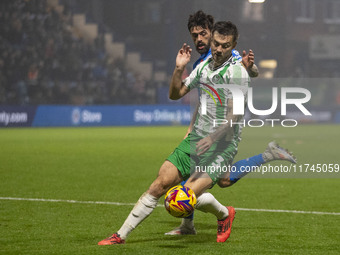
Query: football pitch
x=53, y=181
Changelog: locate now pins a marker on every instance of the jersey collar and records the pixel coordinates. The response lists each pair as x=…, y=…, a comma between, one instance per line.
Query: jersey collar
x=211, y=64
x=203, y=57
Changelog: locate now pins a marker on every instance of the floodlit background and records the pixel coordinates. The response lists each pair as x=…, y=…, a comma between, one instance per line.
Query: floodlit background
x=107, y=63
x=88, y=52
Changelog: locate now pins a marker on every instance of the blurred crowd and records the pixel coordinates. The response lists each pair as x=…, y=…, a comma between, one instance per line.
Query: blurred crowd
x=42, y=61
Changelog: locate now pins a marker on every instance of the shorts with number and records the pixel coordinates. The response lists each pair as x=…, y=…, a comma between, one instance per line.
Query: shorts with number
x=215, y=162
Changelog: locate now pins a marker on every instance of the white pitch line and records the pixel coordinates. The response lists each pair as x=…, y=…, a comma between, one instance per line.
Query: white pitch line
x=132, y=204
x=64, y=201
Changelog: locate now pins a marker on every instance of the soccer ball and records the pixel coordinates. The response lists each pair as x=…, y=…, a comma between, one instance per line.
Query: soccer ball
x=180, y=201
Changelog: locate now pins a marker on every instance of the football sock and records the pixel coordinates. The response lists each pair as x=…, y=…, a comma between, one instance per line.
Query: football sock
x=142, y=210
x=245, y=166
x=188, y=222
x=190, y=217
x=208, y=203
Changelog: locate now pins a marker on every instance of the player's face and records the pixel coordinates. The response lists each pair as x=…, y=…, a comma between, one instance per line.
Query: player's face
x=221, y=47
x=202, y=38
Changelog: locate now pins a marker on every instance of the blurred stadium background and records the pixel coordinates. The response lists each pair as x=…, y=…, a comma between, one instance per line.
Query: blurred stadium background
x=75, y=63
x=62, y=59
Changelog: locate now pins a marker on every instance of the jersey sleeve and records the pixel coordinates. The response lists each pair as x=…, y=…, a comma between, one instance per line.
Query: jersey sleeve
x=193, y=80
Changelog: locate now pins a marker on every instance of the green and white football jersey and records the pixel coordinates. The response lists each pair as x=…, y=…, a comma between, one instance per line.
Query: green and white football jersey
x=213, y=84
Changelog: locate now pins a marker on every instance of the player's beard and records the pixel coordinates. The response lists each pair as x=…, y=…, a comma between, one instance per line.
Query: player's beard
x=218, y=59
x=202, y=47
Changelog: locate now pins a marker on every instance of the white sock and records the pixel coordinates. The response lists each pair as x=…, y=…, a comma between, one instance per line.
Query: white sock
x=208, y=203
x=187, y=223
x=141, y=211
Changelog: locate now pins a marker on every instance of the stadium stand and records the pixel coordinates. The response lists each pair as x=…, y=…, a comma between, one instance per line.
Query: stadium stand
x=44, y=60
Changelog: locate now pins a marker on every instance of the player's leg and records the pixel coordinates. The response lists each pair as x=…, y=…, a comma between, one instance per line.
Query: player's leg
x=206, y=202
x=186, y=227
x=245, y=166
x=224, y=214
x=199, y=182
x=168, y=176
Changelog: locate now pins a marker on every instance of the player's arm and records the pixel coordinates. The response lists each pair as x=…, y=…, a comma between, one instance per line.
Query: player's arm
x=192, y=122
x=204, y=144
x=177, y=88
x=248, y=61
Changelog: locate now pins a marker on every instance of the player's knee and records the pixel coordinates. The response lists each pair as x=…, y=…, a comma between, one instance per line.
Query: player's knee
x=168, y=176
x=224, y=183
x=159, y=187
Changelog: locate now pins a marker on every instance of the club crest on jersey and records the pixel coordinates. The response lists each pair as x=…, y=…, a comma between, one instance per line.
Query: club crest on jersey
x=216, y=78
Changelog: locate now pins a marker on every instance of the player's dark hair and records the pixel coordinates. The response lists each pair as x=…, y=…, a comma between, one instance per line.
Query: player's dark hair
x=226, y=28
x=200, y=19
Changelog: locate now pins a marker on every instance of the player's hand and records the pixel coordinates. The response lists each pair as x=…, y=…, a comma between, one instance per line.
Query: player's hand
x=183, y=56
x=248, y=59
x=203, y=145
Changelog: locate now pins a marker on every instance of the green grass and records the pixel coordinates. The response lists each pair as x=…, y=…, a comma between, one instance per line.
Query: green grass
x=118, y=165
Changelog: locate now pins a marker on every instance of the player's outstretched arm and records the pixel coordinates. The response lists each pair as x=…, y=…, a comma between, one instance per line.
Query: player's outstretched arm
x=177, y=88
x=248, y=60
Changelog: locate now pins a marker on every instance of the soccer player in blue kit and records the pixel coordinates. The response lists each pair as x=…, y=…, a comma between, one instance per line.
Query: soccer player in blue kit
x=200, y=26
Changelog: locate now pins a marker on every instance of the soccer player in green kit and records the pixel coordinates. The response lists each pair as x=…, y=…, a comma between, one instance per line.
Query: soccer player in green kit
x=205, y=144
x=200, y=25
